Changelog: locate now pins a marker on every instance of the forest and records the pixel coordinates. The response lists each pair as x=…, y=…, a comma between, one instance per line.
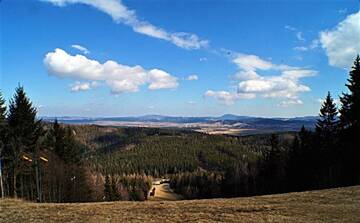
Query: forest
x=53, y=162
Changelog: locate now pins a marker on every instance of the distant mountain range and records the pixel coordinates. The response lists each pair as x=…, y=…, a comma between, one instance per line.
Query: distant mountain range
x=236, y=121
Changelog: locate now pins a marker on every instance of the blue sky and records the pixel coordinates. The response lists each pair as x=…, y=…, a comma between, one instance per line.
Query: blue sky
x=190, y=58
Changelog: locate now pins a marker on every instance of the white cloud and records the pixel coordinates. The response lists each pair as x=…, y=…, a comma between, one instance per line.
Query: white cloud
x=228, y=98
x=159, y=79
x=191, y=102
x=314, y=44
x=203, y=59
x=85, y=86
x=290, y=102
x=120, y=78
x=286, y=84
x=300, y=48
x=121, y=14
x=151, y=107
x=300, y=36
x=342, y=43
x=342, y=11
x=290, y=28
x=251, y=62
x=192, y=77
x=81, y=48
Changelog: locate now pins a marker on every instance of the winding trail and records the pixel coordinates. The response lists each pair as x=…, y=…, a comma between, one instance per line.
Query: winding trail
x=163, y=192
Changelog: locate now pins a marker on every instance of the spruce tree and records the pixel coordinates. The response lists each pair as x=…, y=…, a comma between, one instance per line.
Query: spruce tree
x=24, y=131
x=350, y=109
x=350, y=126
x=325, y=149
x=327, y=123
x=2, y=122
x=272, y=169
x=2, y=138
x=58, y=139
x=107, y=189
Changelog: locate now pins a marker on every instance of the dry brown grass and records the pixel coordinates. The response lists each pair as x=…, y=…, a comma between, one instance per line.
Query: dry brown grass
x=333, y=205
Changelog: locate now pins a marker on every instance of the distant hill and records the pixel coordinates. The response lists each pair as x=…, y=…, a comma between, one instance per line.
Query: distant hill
x=226, y=120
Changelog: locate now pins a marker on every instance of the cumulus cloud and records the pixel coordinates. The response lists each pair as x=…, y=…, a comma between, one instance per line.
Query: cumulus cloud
x=120, y=78
x=121, y=14
x=286, y=84
x=81, y=48
x=83, y=86
x=192, y=77
x=228, y=98
x=342, y=43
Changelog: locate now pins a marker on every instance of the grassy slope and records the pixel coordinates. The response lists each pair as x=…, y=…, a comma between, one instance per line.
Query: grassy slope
x=333, y=205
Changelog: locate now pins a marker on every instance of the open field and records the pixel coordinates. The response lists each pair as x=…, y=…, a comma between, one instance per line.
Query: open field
x=332, y=205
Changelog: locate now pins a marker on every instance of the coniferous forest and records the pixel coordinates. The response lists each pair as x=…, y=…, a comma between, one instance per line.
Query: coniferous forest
x=52, y=162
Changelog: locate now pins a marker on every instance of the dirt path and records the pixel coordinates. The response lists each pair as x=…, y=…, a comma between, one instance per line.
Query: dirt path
x=163, y=192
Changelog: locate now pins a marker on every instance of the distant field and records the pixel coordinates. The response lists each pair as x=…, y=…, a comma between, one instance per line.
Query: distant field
x=333, y=205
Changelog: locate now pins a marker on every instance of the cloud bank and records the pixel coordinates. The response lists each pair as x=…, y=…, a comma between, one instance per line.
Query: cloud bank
x=120, y=78
x=121, y=14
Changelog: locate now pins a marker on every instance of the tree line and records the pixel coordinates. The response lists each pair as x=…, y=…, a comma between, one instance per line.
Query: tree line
x=39, y=161
x=327, y=157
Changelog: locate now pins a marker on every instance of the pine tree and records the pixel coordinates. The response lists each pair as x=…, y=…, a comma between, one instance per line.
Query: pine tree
x=2, y=138
x=325, y=149
x=57, y=135
x=350, y=126
x=2, y=122
x=114, y=190
x=350, y=109
x=24, y=131
x=294, y=165
x=327, y=123
x=107, y=189
x=272, y=169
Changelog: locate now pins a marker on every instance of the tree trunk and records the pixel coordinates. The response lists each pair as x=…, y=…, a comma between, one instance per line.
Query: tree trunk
x=1, y=180
x=14, y=184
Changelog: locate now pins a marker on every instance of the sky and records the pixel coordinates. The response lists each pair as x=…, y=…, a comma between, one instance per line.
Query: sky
x=182, y=58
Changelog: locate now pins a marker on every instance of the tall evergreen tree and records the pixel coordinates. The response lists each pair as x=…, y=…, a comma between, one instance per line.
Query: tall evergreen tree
x=350, y=126
x=107, y=189
x=327, y=123
x=57, y=141
x=24, y=132
x=2, y=122
x=2, y=138
x=272, y=169
x=350, y=110
x=326, y=149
